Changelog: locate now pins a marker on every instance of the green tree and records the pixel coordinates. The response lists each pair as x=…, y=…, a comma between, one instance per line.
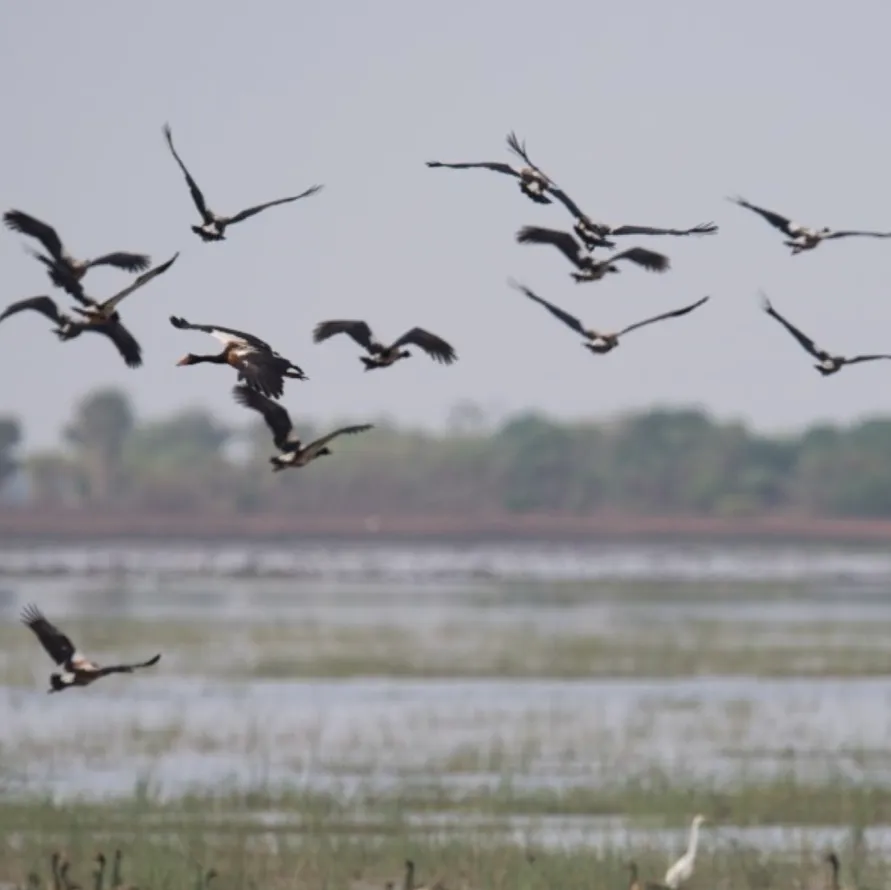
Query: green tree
x=10, y=437
x=99, y=429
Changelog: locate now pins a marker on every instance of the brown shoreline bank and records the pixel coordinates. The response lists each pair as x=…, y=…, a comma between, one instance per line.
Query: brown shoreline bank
x=26, y=524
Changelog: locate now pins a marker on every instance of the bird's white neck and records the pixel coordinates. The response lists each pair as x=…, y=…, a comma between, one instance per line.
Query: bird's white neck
x=694, y=840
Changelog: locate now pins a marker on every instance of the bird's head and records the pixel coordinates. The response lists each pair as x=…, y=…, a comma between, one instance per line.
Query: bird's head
x=324, y=452
x=100, y=859
x=699, y=819
x=613, y=269
x=188, y=359
x=832, y=859
x=57, y=683
x=404, y=353
x=825, y=230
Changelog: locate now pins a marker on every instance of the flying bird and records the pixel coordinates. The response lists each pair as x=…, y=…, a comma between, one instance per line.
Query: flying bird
x=800, y=237
x=103, y=318
x=826, y=362
x=293, y=452
x=379, y=355
x=595, y=234
x=213, y=226
x=598, y=341
x=589, y=268
x=258, y=365
x=63, y=269
x=76, y=669
x=533, y=183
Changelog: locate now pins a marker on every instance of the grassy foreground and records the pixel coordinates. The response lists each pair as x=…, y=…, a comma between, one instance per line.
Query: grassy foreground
x=306, y=841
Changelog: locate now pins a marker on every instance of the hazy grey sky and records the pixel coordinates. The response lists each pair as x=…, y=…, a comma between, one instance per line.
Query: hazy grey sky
x=647, y=112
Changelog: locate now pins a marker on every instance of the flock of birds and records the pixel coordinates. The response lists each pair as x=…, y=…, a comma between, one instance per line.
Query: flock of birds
x=262, y=370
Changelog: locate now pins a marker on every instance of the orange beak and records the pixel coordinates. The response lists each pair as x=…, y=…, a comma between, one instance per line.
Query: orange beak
x=185, y=360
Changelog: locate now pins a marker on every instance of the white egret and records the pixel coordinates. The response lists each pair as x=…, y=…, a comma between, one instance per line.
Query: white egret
x=682, y=870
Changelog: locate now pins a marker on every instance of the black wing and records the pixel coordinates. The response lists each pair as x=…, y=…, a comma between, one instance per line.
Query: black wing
x=486, y=165
x=277, y=418
x=128, y=668
x=702, y=229
x=125, y=342
x=775, y=219
x=358, y=330
x=129, y=262
x=849, y=233
x=569, y=204
x=58, y=646
x=649, y=259
x=434, y=346
x=803, y=339
x=252, y=211
x=864, y=358
x=317, y=445
x=197, y=197
x=563, y=241
x=44, y=305
x=215, y=330
x=28, y=225
x=257, y=372
x=676, y=313
x=567, y=319
x=145, y=278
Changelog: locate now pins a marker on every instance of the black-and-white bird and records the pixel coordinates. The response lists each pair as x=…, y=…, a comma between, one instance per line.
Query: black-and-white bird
x=590, y=269
x=257, y=363
x=595, y=234
x=826, y=362
x=379, y=355
x=64, y=270
x=293, y=452
x=213, y=226
x=602, y=342
x=76, y=669
x=533, y=183
x=800, y=237
x=103, y=318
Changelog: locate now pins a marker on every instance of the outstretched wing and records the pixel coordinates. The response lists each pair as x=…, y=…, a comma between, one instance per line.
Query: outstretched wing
x=128, y=668
x=864, y=358
x=519, y=149
x=226, y=335
x=563, y=241
x=58, y=646
x=702, y=229
x=252, y=211
x=802, y=338
x=28, y=225
x=485, y=165
x=129, y=262
x=434, y=346
x=567, y=319
x=197, y=197
x=649, y=259
x=44, y=305
x=123, y=340
x=317, y=445
x=568, y=203
x=277, y=418
x=849, y=233
x=109, y=305
x=676, y=313
x=358, y=330
x=775, y=219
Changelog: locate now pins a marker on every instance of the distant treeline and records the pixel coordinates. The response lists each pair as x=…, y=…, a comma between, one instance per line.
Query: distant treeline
x=658, y=462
